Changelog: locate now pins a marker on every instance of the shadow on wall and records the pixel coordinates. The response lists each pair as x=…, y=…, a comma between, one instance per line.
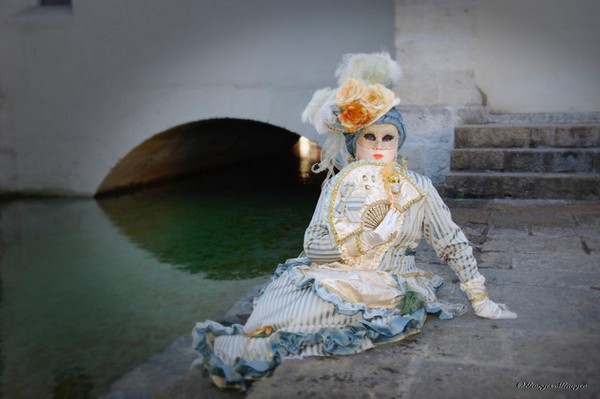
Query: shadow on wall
x=195, y=147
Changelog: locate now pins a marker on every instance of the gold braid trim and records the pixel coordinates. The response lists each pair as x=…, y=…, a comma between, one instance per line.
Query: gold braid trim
x=339, y=179
x=333, y=195
x=415, y=274
x=262, y=332
x=401, y=337
x=336, y=130
x=478, y=298
x=403, y=173
x=475, y=289
x=359, y=245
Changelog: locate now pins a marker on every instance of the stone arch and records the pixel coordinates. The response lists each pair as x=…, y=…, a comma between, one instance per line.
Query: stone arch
x=193, y=147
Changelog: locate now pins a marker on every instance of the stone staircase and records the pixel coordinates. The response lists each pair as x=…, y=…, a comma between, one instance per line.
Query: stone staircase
x=535, y=161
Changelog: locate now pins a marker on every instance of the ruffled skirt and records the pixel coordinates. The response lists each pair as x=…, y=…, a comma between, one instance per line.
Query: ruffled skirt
x=296, y=316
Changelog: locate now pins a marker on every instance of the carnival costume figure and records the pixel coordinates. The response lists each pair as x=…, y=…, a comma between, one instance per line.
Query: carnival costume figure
x=356, y=284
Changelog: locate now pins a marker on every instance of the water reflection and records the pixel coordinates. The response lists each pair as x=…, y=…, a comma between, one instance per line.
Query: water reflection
x=91, y=289
x=83, y=305
x=227, y=224
x=308, y=153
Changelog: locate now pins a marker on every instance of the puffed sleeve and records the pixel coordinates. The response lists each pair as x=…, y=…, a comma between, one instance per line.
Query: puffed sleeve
x=446, y=238
x=319, y=244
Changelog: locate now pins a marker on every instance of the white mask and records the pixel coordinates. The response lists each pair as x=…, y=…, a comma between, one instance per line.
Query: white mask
x=378, y=143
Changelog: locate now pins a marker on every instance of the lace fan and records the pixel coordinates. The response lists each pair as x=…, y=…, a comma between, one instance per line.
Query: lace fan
x=375, y=214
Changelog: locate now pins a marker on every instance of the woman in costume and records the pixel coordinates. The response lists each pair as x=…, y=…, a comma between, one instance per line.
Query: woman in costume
x=356, y=284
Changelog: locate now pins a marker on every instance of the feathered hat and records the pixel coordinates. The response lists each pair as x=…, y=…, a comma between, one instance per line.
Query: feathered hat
x=362, y=97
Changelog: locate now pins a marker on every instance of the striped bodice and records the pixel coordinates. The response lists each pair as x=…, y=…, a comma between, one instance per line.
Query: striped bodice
x=429, y=218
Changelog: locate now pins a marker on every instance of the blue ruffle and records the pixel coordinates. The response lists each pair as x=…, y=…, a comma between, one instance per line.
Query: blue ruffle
x=336, y=341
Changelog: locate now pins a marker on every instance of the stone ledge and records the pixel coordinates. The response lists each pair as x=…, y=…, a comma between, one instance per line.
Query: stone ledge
x=539, y=160
x=580, y=186
x=527, y=136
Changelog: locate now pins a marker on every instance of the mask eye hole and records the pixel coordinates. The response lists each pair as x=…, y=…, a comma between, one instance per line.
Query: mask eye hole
x=369, y=137
x=388, y=137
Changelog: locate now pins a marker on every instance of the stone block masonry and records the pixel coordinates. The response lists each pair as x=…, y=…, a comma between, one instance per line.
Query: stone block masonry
x=540, y=161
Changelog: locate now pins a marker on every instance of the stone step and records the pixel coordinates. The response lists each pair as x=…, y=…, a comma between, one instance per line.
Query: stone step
x=532, y=136
x=539, y=160
x=575, y=186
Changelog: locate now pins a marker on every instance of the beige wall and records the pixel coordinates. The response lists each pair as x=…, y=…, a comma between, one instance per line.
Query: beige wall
x=516, y=56
x=435, y=43
x=539, y=55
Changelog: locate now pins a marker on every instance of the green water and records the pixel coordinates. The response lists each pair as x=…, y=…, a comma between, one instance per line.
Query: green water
x=92, y=288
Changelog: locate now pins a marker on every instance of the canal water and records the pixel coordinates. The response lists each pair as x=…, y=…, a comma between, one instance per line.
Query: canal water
x=92, y=288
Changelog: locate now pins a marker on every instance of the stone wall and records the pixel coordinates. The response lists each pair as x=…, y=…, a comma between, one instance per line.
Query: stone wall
x=475, y=61
x=435, y=44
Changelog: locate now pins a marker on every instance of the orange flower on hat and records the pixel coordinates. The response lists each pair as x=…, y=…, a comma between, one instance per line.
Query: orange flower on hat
x=353, y=116
x=351, y=90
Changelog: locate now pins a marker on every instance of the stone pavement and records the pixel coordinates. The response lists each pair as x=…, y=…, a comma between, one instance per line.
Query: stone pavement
x=541, y=258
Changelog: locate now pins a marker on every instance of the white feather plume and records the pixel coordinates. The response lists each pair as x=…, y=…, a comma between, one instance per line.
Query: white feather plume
x=319, y=111
x=372, y=68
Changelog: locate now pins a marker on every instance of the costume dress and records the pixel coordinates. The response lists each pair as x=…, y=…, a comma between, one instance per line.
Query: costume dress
x=335, y=300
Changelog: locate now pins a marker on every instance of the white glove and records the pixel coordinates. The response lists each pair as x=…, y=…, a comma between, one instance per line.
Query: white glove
x=492, y=310
x=482, y=305
x=384, y=232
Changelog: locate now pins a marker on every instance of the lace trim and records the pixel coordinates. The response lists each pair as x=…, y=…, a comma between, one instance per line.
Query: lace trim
x=478, y=298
